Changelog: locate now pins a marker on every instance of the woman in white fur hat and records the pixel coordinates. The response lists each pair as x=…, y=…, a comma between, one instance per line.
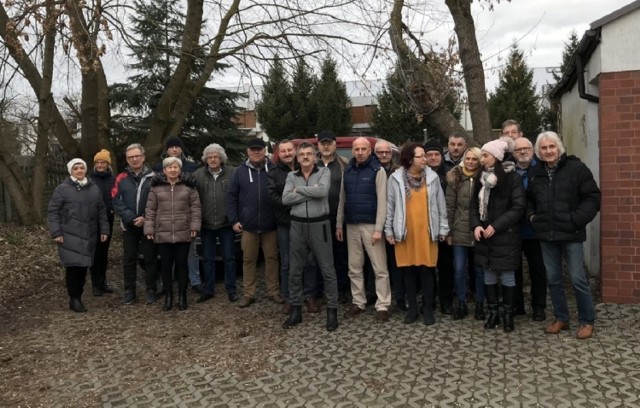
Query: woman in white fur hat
x=76, y=216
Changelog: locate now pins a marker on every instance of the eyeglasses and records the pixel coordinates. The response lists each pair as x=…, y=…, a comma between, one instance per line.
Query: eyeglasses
x=384, y=152
x=305, y=154
x=522, y=149
x=137, y=156
x=419, y=157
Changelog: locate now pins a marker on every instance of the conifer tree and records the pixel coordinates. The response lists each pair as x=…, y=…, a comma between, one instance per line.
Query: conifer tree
x=303, y=107
x=333, y=103
x=515, y=97
x=274, y=109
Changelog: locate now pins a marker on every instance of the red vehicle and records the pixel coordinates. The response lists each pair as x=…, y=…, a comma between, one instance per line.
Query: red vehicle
x=343, y=146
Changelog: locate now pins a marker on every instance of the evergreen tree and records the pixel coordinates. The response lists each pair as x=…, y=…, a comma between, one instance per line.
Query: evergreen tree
x=303, y=107
x=569, y=49
x=158, y=27
x=515, y=97
x=274, y=109
x=333, y=103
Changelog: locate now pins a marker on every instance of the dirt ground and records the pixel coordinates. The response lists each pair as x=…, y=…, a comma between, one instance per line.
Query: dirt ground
x=47, y=352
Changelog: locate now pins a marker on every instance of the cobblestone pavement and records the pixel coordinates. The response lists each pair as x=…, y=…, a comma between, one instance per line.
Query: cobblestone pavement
x=370, y=364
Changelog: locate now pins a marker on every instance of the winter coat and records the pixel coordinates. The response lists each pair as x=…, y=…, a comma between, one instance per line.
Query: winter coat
x=562, y=206
x=129, y=195
x=247, y=201
x=172, y=211
x=212, y=192
x=360, y=191
x=396, y=224
x=78, y=215
x=277, y=178
x=460, y=188
x=105, y=181
x=507, y=202
x=337, y=167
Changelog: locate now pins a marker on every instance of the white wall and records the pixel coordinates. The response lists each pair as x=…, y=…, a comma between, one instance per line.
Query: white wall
x=620, y=50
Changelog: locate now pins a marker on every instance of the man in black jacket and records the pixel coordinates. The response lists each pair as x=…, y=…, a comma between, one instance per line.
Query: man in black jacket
x=563, y=198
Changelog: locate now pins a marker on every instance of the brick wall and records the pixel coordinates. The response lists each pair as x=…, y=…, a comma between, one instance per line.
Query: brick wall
x=620, y=183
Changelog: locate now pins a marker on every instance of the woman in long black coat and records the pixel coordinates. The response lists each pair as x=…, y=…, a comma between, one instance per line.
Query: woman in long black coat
x=76, y=216
x=496, y=209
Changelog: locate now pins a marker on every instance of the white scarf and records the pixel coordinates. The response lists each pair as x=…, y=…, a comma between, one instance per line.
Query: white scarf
x=488, y=181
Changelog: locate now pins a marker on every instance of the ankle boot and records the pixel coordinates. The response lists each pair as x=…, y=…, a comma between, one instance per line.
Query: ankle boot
x=494, y=313
x=332, y=319
x=461, y=310
x=76, y=305
x=182, y=305
x=479, y=313
x=508, y=293
x=412, y=310
x=168, y=300
x=428, y=315
x=296, y=318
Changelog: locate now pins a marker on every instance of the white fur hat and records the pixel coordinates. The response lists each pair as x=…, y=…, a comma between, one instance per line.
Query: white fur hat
x=73, y=162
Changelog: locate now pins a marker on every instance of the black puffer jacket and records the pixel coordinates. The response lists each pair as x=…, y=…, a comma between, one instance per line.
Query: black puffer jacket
x=275, y=185
x=78, y=215
x=507, y=202
x=562, y=206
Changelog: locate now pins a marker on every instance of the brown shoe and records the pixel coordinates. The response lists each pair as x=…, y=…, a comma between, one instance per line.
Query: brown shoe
x=353, y=312
x=584, y=332
x=277, y=298
x=556, y=327
x=312, y=305
x=246, y=301
x=382, y=315
x=287, y=308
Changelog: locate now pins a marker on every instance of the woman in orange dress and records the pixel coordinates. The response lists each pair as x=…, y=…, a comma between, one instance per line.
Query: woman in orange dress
x=416, y=221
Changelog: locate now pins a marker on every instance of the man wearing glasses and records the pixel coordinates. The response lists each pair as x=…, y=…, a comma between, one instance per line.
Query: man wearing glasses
x=523, y=154
x=129, y=196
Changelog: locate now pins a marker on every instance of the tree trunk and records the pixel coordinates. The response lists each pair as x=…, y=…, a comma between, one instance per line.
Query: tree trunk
x=472, y=68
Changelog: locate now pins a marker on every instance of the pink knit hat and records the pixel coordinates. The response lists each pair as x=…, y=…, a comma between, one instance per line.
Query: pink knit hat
x=496, y=148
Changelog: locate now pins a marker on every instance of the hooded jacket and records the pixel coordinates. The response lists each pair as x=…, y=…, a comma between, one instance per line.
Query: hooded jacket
x=247, y=199
x=396, y=224
x=129, y=195
x=78, y=214
x=172, y=211
x=563, y=205
x=309, y=200
x=460, y=188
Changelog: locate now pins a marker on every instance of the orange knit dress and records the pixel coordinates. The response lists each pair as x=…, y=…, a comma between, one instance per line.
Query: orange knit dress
x=418, y=249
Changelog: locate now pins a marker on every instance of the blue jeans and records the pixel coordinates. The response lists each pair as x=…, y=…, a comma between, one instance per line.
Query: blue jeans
x=507, y=278
x=460, y=261
x=552, y=253
x=193, y=260
x=283, y=246
x=226, y=237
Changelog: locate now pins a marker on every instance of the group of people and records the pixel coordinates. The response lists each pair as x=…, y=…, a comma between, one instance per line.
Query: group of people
x=341, y=228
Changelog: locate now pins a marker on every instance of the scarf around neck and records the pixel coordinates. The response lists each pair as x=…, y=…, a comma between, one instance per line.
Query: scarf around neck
x=412, y=183
x=488, y=181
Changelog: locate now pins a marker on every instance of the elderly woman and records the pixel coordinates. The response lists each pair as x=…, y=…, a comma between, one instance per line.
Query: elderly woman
x=497, y=206
x=76, y=217
x=102, y=176
x=461, y=182
x=416, y=221
x=172, y=220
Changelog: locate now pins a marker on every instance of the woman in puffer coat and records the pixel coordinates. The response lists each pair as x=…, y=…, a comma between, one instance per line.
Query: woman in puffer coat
x=461, y=183
x=496, y=209
x=172, y=220
x=76, y=216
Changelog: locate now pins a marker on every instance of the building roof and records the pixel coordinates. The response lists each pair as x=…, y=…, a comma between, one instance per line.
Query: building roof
x=586, y=47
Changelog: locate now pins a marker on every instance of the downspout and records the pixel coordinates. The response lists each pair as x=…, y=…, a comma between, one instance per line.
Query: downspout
x=580, y=72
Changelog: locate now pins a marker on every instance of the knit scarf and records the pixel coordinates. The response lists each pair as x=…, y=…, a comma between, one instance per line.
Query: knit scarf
x=412, y=183
x=488, y=181
x=79, y=183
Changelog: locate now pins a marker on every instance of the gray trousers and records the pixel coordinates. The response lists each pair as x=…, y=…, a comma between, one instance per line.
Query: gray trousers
x=314, y=237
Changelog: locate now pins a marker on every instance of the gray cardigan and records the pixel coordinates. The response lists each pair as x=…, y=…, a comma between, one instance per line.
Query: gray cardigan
x=395, y=223
x=308, y=198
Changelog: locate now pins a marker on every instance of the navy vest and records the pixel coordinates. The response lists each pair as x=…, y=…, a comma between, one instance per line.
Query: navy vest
x=361, y=200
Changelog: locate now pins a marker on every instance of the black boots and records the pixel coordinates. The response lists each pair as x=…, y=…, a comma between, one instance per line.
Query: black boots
x=332, y=319
x=76, y=305
x=461, y=310
x=182, y=300
x=168, y=300
x=479, y=313
x=296, y=318
x=508, y=293
x=428, y=315
x=494, y=313
x=412, y=311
